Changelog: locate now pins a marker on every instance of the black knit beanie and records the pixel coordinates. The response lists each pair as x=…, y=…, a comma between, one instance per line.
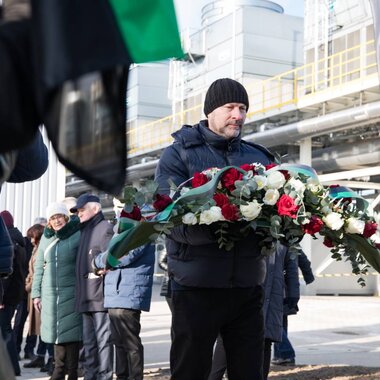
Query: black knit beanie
x=224, y=91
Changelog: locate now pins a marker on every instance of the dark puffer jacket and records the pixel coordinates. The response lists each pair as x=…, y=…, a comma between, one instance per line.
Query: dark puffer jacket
x=281, y=282
x=194, y=257
x=14, y=284
x=95, y=236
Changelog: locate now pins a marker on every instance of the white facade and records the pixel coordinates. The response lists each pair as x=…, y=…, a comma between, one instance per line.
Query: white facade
x=28, y=200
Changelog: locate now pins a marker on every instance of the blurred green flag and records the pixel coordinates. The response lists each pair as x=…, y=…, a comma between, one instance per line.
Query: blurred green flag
x=149, y=29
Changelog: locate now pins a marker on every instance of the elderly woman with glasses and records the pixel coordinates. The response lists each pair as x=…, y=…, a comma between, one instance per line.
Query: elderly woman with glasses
x=53, y=289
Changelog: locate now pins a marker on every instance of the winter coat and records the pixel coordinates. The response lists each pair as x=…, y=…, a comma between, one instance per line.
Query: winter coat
x=281, y=281
x=95, y=236
x=194, y=256
x=54, y=283
x=305, y=265
x=129, y=285
x=14, y=284
x=34, y=316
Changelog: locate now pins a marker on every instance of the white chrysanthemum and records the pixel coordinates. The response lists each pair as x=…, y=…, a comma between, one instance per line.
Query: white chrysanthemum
x=313, y=186
x=251, y=210
x=333, y=221
x=297, y=185
x=214, y=214
x=275, y=180
x=354, y=226
x=261, y=181
x=189, y=218
x=271, y=197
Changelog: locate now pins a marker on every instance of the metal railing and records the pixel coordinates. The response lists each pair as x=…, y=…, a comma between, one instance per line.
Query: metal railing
x=336, y=72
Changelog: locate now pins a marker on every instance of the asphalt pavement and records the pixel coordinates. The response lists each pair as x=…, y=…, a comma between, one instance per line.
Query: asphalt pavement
x=327, y=330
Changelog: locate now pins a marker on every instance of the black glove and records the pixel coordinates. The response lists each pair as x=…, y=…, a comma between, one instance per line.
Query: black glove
x=291, y=305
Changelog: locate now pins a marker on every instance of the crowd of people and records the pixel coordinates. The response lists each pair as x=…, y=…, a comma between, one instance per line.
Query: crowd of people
x=228, y=307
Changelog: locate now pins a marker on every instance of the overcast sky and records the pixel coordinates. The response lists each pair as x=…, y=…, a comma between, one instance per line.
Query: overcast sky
x=189, y=11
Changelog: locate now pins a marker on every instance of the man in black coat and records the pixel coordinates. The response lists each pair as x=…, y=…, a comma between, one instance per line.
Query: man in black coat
x=214, y=290
x=96, y=233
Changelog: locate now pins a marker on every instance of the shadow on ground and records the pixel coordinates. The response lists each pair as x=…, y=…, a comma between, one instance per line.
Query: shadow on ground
x=306, y=372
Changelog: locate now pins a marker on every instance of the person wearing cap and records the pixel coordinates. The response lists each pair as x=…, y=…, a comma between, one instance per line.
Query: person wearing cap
x=96, y=233
x=53, y=289
x=128, y=292
x=213, y=290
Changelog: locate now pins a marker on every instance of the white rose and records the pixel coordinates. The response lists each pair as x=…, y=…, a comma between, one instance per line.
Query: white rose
x=251, y=210
x=261, y=181
x=297, y=185
x=354, y=226
x=275, y=180
x=271, y=197
x=333, y=220
x=189, y=218
x=214, y=214
x=313, y=186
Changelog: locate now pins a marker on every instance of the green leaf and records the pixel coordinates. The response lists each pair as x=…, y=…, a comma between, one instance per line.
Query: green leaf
x=151, y=186
x=139, y=199
x=369, y=252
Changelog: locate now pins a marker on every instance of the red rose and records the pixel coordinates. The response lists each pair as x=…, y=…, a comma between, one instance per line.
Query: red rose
x=328, y=242
x=286, y=206
x=229, y=178
x=270, y=166
x=230, y=212
x=369, y=229
x=313, y=226
x=161, y=202
x=135, y=214
x=199, y=179
x=221, y=199
x=247, y=167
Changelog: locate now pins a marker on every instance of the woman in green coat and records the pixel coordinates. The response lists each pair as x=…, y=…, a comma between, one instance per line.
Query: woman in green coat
x=53, y=289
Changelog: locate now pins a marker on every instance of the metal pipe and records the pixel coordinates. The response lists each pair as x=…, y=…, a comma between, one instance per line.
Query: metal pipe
x=317, y=126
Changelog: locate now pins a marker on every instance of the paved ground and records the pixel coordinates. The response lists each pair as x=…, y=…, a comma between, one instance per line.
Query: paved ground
x=327, y=330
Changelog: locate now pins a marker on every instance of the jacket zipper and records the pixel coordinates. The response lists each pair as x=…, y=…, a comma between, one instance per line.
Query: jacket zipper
x=56, y=289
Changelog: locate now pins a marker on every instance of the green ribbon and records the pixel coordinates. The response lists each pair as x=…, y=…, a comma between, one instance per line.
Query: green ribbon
x=342, y=192
x=297, y=168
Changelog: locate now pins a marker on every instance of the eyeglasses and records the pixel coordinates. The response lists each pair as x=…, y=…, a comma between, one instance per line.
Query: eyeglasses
x=56, y=217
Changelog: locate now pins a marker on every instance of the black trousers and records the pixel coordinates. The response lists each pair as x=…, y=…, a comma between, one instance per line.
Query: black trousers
x=125, y=331
x=219, y=362
x=66, y=357
x=200, y=315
